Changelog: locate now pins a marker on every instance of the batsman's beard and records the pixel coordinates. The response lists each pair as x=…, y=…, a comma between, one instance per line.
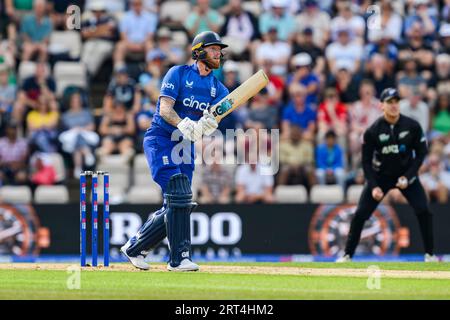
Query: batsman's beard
x=212, y=63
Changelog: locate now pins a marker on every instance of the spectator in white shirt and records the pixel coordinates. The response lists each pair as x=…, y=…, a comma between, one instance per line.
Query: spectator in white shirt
x=414, y=107
x=390, y=22
x=273, y=49
x=317, y=20
x=344, y=51
x=99, y=34
x=136, y=31
x=253, y=184
x=346, y=19
x=362, y=114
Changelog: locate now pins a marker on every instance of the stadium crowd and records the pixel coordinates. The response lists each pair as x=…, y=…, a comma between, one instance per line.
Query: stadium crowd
x=327, y=63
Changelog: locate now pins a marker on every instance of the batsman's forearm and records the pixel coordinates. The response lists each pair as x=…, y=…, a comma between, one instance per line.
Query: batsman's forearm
x=167, y=113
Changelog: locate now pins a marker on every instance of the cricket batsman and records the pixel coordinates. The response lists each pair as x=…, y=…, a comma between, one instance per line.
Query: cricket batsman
x=393, y=150
x=187, y=93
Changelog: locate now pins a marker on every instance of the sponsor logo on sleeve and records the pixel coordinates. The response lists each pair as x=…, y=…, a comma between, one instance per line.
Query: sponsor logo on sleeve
x=167, y=85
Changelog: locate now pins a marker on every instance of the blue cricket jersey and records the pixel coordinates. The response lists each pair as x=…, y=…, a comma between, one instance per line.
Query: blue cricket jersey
x=192, y=94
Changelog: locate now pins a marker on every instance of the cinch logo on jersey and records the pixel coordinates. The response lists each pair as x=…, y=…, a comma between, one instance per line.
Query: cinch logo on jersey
x=192, y=103
x=393, y=148
x=167, y=85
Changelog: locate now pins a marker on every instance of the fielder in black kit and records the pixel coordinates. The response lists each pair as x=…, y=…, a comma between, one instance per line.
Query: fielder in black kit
x=393, y=150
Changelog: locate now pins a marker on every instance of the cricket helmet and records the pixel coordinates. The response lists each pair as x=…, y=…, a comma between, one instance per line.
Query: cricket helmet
x=203, y=40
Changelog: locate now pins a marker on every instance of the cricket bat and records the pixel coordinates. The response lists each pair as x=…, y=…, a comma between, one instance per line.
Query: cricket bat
x=240, y=95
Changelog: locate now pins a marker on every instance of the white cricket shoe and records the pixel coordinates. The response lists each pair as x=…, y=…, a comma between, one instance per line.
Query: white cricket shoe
x=431, y=258
x=138, y=261
x=344, y=259
x=185, y=265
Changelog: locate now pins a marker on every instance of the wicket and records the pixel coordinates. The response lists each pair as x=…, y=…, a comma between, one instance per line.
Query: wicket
x=94, y=215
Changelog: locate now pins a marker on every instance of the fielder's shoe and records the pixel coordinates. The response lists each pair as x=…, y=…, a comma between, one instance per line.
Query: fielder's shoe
x=185, y=265
x=431, y=258
x=344, y=259
x=138, y=261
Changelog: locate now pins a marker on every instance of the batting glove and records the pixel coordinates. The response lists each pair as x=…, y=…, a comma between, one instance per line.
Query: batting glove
x=208, y=123
x=190, y=129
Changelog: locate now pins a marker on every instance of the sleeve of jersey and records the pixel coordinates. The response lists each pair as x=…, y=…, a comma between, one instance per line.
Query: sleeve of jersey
x=171, y=83
x=368, y=149
x=421, y=149
x=222, y=93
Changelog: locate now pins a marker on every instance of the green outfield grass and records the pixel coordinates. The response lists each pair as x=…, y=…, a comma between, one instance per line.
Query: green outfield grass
x=413, y=266
x=52, y=284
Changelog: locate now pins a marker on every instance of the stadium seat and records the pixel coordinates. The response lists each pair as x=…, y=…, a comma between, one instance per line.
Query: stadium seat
x=118, y=168
x=142, y=177
x=69, y=73
x=66, y=42
x=176, y=11
x=51, y=194
x=253, y=7
x=196, y=182
x=118, y=177
x=113, y=161
x=118, y=16
x=245, y=70
x=179, y=39
x=327, y=194
x=141, y=172
x=15, y=194
x=140, y=162
x=26, y=70
x=291, y=194
x=117, y=193
x=235, y=45
x=149, y=194
x=354, y=192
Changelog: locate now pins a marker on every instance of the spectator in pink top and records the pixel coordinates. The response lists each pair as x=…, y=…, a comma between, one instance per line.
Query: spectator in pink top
x=362, y=114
